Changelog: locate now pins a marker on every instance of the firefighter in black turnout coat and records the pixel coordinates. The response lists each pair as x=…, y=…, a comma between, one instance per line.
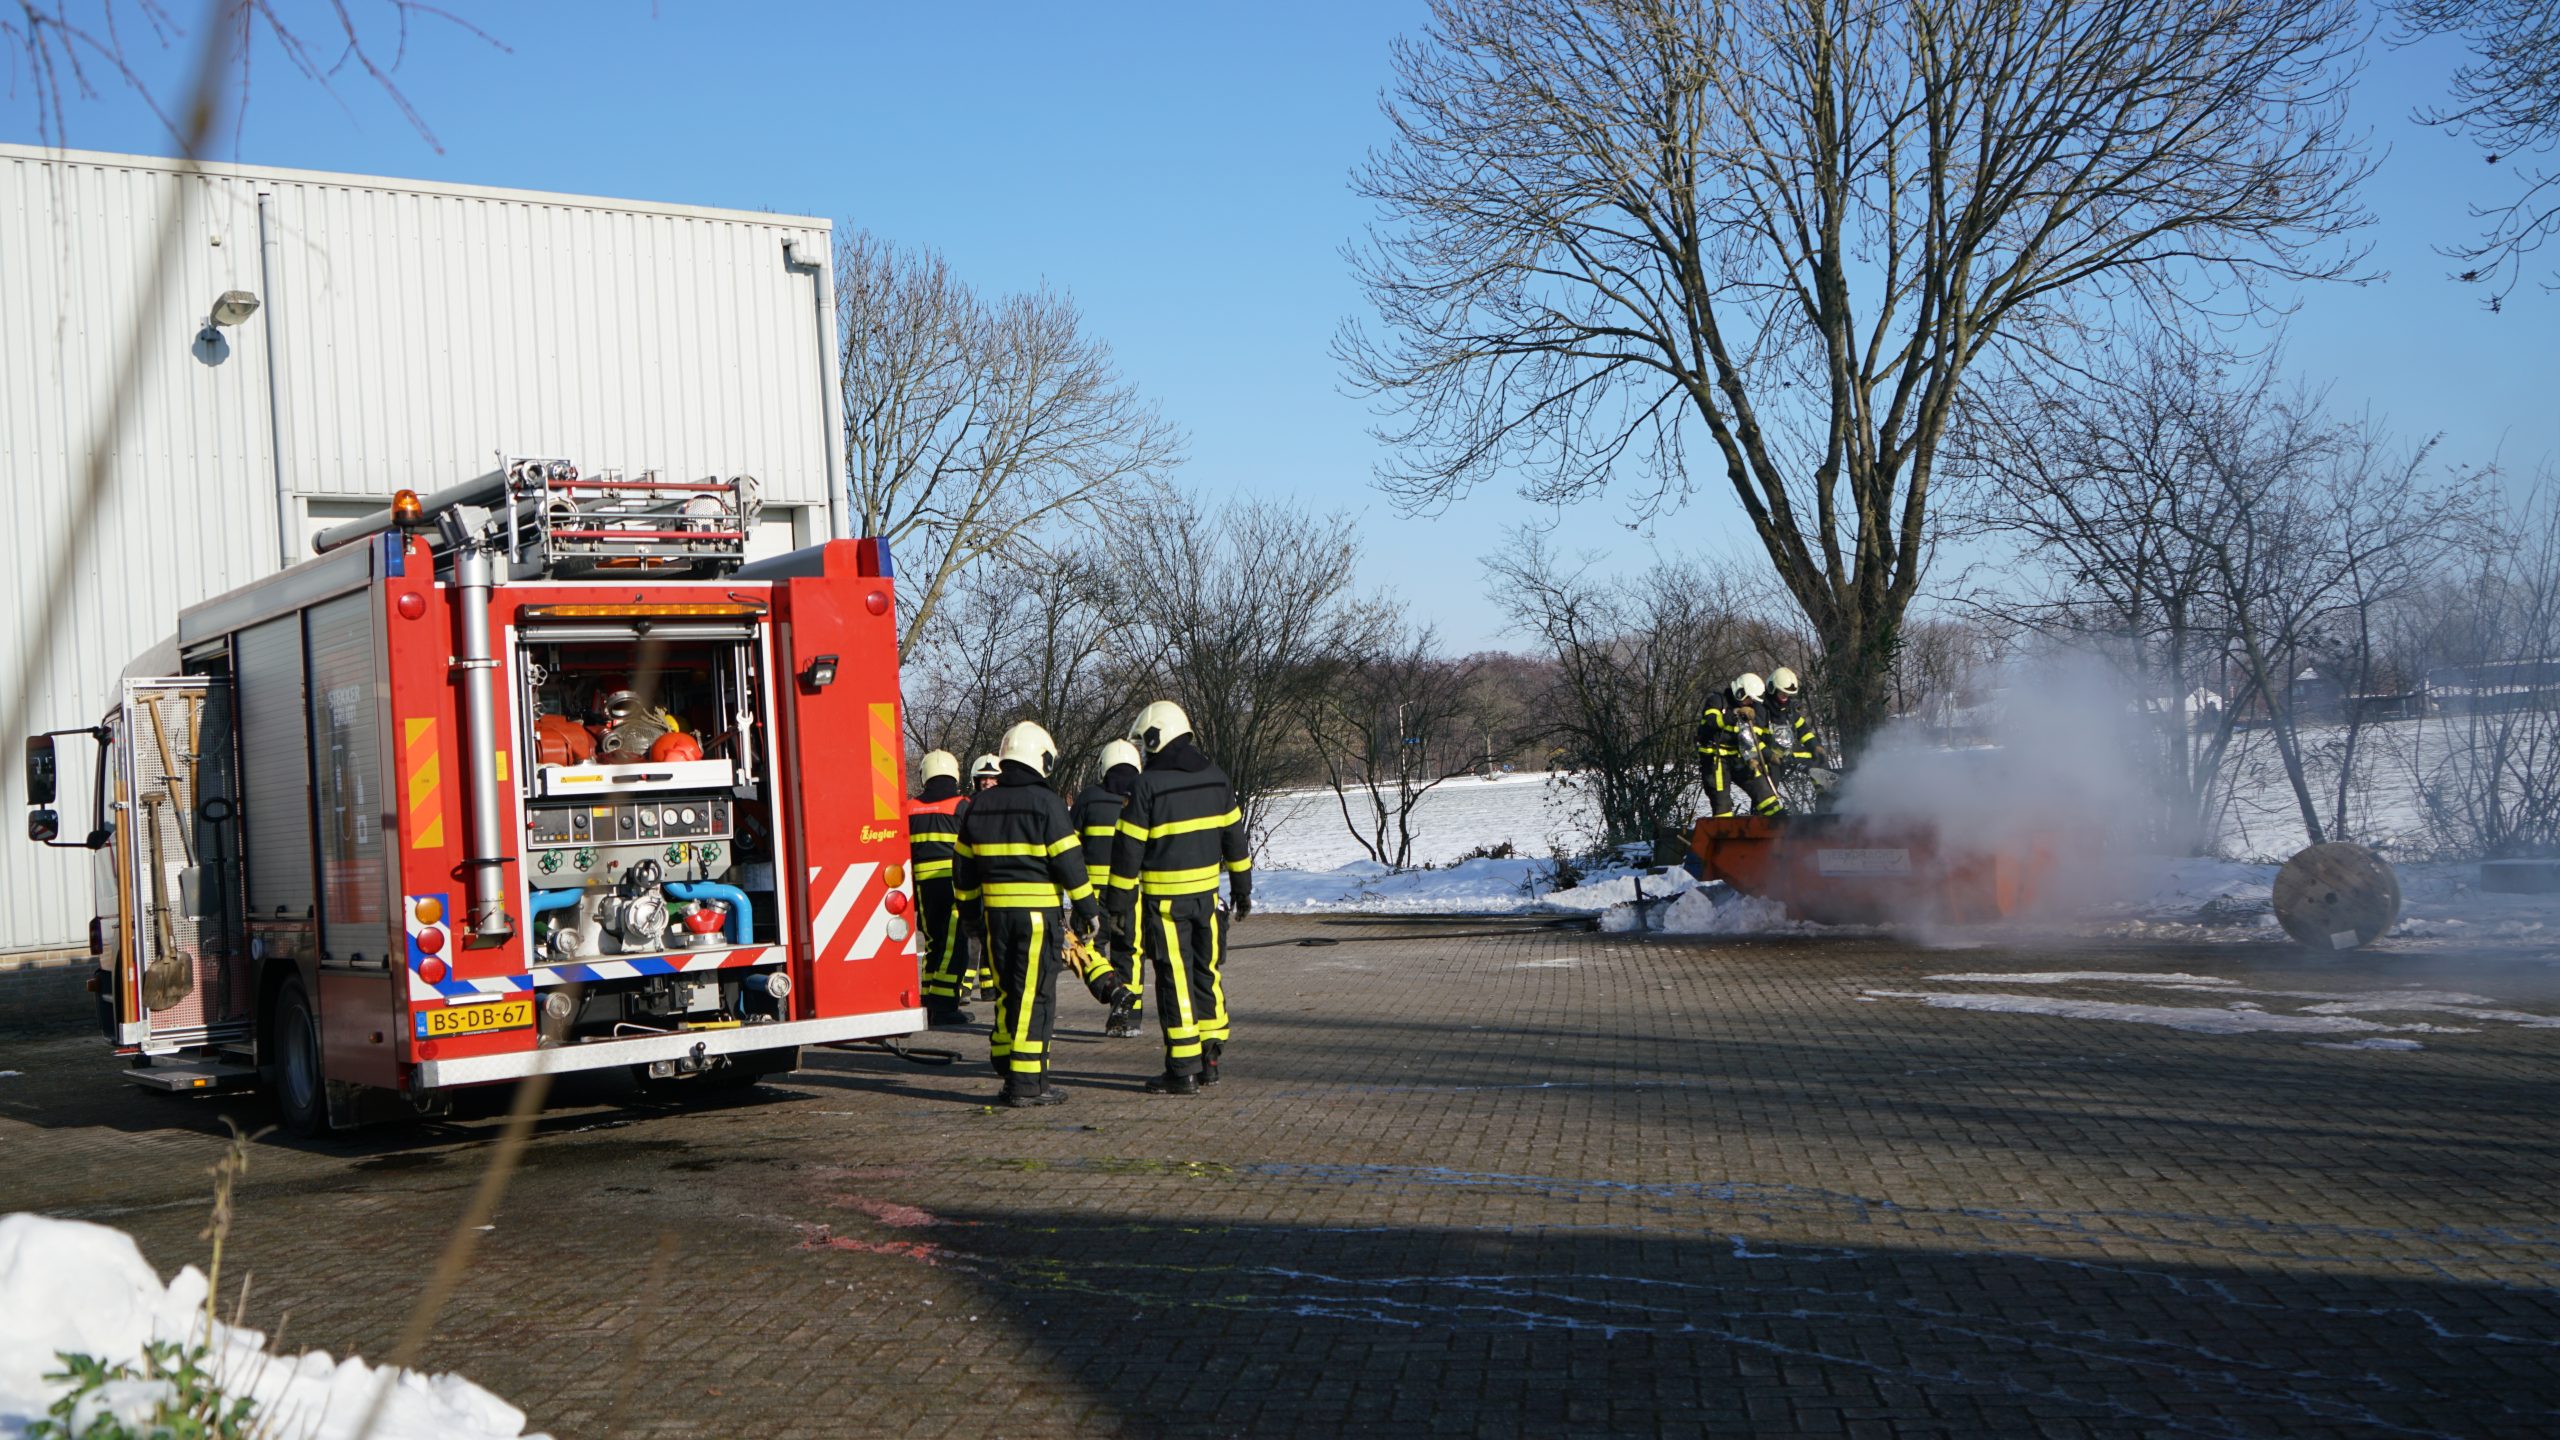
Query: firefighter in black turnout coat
x=933, y=822
x=1019, y=866
x=1179, y=835
x=1110, y=970
x=1729, y=753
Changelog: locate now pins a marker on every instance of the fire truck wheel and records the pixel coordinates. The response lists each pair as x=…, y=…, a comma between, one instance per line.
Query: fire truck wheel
x=293, y=1078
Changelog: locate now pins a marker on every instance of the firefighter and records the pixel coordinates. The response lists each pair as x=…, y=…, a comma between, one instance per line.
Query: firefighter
x=1018, y=858
x=933, y=821
x=1110, y=970
x=1786, y=734
x=977, y=977
x=1729, y=754
x=1180, y=832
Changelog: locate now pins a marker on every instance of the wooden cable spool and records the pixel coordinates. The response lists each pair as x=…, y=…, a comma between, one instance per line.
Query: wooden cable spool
x=2337, y=897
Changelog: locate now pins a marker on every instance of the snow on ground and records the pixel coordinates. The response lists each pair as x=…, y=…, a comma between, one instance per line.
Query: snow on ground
x=1310, y=865
x=2331, y=1012
x=1531, y=810
x=71, y=1287
x=2202, y=1020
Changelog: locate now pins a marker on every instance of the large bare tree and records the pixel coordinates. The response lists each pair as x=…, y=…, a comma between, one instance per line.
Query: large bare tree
x=2507, y=100
x=969, y=425
x=1609, y=227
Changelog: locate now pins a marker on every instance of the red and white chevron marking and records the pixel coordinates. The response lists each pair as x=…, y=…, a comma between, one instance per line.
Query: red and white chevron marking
x=853, y=917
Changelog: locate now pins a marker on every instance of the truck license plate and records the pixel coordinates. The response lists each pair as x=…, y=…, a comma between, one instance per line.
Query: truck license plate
x=474, y=1019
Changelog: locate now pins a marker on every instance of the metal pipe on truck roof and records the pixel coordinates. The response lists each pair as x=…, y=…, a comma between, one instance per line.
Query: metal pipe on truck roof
x=486, y=490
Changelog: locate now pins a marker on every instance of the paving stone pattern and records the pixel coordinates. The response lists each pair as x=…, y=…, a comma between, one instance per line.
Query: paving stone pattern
x=1463, y=1178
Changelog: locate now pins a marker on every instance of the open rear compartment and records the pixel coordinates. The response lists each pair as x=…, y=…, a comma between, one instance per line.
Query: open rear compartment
x=648, y=797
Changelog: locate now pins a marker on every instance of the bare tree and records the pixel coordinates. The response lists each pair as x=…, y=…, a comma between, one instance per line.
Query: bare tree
x=1609, y=224
x=969, y=426
x=2095, y=472
x=1392, y=727
x=2507, y=99
x=2217, y=534
x=1246, y=610
x=2488, y=754
x=1635, y=658
x=1050, y=638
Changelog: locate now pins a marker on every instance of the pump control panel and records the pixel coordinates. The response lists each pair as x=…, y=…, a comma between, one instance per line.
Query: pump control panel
x=691, y=836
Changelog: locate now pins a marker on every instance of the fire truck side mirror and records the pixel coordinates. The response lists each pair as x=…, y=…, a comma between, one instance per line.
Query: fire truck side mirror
x=43, y=825
x=40, y=771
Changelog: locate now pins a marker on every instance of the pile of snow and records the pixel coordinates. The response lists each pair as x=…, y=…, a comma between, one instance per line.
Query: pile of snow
x=68, y=1287
x=1706, y=910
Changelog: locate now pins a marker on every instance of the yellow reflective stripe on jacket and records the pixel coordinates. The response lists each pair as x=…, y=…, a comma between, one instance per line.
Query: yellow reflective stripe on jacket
x=1100, y=832
x=1240, y=866
x=933, y=869
x=1022, y=895
x=1009, y=847
x=1179, y=882
x=1081, y=892
x=1182, y=827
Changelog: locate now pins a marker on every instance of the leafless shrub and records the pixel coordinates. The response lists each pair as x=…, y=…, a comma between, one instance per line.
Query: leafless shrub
x=1245, y=612
x=1635, y=658
x=1393, y=725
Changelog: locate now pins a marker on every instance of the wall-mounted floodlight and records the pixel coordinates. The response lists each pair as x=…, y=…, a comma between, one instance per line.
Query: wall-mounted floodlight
x=230, y=308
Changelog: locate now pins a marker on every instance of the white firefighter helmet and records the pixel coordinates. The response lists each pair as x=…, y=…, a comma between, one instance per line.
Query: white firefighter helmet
x=1784, y=681
x=985, y=767
x=939, y=765
x=1747, y=688
x=1159, y=725
x=1028, y=744
x=1117, y=754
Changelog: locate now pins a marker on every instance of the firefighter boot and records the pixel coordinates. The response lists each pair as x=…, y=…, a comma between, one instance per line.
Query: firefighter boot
x=943, y=1014
x=1041, y=1093
x=1123, y=1021
x=1169, y=1083
x=1211, y=1051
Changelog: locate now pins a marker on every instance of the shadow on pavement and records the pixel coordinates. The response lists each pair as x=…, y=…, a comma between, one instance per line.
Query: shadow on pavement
x=1217, y=1328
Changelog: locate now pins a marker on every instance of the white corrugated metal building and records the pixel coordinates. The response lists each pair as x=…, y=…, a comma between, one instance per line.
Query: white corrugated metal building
x=406, y=334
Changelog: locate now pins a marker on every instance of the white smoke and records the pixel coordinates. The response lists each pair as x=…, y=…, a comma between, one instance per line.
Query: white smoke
x=2052, y=759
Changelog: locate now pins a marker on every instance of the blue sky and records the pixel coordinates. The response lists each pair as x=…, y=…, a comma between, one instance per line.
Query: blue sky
x=1181, y=170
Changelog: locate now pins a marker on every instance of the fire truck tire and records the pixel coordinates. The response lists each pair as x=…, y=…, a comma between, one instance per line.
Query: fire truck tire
x=294, y=1079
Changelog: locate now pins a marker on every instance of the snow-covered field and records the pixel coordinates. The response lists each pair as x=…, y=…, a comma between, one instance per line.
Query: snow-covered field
x=1309, y=865
x=69, y=1287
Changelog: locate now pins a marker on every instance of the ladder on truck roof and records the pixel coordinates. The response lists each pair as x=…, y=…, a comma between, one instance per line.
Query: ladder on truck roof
x=604, y=523
x=551, y=518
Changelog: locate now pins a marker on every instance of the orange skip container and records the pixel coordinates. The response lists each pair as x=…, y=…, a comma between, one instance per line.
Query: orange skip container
x=1850, y=870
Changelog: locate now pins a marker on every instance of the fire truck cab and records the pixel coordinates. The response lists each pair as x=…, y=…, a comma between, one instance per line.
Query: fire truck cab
x=534, y=775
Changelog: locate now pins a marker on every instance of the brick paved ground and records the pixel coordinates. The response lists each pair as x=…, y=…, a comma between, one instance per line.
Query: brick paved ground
x=1522, y=1182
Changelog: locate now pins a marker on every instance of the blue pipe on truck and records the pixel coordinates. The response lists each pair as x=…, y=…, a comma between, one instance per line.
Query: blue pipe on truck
x=546, y=901
x=742, y=911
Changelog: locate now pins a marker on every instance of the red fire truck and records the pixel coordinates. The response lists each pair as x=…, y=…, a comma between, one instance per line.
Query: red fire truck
x=537, y=774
